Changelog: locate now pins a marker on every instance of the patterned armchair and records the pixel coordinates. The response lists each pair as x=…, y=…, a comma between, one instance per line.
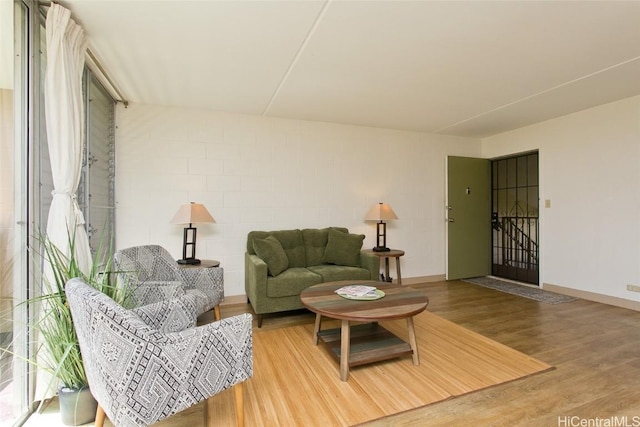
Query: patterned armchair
x=155, y=276
x=141, y=373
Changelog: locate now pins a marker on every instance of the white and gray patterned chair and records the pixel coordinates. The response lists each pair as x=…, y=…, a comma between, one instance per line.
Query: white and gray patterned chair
x=142, y=370
x=154, y=275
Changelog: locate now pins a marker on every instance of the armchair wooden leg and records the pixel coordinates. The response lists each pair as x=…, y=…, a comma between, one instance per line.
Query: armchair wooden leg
x=100, y=416
x=238, y=392
x=209, y=412
x=216, y=311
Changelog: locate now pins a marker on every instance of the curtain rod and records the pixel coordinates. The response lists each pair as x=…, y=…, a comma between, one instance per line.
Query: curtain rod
x=102, y=74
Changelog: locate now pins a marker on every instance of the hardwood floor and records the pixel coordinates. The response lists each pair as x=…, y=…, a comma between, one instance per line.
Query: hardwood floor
x=595, y=349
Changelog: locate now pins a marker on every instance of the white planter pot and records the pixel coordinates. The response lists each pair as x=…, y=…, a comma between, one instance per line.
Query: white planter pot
x=77, y=407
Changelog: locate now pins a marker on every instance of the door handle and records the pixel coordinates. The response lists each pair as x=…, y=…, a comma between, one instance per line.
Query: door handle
x=450, y=220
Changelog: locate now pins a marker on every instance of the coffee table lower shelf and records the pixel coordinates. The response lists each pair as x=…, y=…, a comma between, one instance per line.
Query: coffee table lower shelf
x=369, y=343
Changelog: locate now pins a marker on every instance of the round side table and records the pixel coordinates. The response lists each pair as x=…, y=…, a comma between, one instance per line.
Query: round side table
x=205, y=263
x=393, y=253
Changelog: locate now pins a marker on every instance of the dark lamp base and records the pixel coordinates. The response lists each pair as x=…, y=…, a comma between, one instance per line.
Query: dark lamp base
x=189, y=261
x=381, y=249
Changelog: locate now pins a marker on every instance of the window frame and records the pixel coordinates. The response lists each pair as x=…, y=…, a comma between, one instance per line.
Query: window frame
x=31, y=194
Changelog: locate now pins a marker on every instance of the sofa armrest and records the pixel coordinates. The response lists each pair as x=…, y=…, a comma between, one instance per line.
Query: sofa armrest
x=208, y=280
x=372, y=263
x=209, y=358
x=255, y=278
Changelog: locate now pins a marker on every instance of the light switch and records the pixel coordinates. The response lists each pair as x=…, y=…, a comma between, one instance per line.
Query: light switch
x=547, y=203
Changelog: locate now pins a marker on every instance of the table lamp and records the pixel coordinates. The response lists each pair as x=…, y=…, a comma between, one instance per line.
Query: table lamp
x=381, y=213
x=191, y=214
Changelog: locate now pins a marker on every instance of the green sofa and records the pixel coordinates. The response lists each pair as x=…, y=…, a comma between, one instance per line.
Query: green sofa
x=279, y=265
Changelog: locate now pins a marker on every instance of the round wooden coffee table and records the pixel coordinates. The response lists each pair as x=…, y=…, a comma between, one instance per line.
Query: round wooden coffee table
x=373, y=342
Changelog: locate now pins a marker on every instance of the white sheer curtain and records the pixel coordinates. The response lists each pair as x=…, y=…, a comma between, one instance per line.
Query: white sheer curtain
x=64, y=112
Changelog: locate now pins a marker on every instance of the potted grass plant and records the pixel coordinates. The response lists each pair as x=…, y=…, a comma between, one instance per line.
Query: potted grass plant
x=59, y=350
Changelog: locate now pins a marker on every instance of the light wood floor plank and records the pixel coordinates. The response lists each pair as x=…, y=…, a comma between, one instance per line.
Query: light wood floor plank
x=287, y=365
x=594, y=348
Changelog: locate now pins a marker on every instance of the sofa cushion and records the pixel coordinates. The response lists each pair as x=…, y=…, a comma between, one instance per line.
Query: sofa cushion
x=343, y=248
x=293, y=245
x=271, y=252
x=315, y=243
x=333, y=273
x=252, y=236
x=291, y=282
x=291, y=241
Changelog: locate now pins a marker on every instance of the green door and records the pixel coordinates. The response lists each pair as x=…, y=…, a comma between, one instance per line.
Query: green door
x=468, y=217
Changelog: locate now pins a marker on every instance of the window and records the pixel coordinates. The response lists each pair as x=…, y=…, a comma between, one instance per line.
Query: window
x=18, y=87
x=96, y=195
x=26, y=185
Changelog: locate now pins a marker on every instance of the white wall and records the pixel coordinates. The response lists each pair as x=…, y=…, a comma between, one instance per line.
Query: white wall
x=256, y=173
x=590, y=172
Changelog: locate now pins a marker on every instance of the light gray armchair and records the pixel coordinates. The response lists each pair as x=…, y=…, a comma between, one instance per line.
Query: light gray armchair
x=142, y=372
x=154, y=275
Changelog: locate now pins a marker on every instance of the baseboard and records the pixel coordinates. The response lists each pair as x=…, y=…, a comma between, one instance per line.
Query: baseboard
x=592, y=296
x=422, y=279
x=234, y=299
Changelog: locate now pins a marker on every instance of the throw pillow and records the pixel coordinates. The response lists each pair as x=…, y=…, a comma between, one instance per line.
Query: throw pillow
x=343, y=248
x=271, y=252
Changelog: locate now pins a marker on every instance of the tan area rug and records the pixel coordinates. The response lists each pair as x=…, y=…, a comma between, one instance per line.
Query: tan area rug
x=296, y=383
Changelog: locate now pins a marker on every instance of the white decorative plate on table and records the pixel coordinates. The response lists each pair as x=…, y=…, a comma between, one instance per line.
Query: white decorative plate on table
x=360, y=292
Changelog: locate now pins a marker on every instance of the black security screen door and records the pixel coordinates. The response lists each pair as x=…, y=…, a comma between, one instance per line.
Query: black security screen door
x=515, y=253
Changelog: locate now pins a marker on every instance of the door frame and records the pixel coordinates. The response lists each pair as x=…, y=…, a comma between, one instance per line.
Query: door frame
x=539, y=212
x=542, y=203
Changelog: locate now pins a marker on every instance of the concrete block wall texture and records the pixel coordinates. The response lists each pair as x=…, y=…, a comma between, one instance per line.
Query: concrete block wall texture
x=257, y=173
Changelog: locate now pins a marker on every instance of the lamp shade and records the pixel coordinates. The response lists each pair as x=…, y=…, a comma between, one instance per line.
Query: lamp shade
x=380, y=212
x=192, y=213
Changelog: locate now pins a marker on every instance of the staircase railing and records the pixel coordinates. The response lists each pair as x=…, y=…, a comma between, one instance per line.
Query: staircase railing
x=515, y=237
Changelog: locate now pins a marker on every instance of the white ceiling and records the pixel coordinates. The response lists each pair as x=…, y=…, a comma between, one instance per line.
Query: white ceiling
x=469, y=68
